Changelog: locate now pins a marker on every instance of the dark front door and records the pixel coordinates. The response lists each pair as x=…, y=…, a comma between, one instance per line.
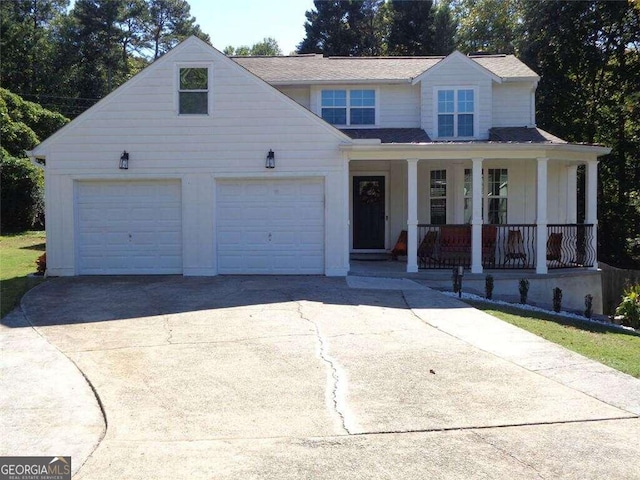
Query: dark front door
x=368, y=212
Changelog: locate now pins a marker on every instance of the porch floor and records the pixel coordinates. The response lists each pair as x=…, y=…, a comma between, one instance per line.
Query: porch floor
x=582, y=280
x=382, y=265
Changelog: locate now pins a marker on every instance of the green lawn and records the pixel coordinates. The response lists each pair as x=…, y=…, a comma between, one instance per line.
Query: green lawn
x=612, y=347
x=18, y=254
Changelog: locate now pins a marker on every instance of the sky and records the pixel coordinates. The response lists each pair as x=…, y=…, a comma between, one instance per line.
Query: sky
x=245, y=22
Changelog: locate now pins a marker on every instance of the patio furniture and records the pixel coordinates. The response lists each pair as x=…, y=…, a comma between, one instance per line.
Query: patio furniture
x=515, y=247
x=554, y=247
x=489, y=238
x=401, y=246
x=427, y=248
x=455, y=245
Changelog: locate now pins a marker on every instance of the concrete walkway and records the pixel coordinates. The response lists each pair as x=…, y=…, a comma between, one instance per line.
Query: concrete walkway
x=284, y=377
x=47, y=408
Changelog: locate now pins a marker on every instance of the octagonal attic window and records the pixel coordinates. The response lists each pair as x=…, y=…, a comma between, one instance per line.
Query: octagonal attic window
x=194, y=91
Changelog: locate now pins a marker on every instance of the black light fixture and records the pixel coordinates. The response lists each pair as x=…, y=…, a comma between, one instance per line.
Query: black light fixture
x=124, y=161
x=271, y=160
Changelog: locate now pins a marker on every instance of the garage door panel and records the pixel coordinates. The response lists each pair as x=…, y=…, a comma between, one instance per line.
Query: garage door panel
x=270, y=226
x=129, y=227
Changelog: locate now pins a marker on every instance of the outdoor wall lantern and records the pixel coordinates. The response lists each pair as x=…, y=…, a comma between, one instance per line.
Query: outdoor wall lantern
x=124, y=161
x=271, y=160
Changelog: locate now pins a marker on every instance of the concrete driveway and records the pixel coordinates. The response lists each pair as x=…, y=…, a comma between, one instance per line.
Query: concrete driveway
x=304, y=377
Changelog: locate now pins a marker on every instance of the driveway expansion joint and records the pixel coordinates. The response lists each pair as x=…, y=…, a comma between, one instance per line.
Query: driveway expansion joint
x=332, y=368
x=508, y=454
x=491, y=427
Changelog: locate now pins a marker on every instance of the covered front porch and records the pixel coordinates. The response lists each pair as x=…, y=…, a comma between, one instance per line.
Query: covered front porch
x=483, y=206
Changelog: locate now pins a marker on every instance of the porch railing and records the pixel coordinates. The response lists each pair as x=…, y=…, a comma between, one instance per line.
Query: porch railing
x=570, y=246
x=511, y=246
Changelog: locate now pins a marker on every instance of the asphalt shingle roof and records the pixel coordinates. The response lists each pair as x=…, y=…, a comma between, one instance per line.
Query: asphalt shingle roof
x=389, y=135
x=316, y=68
x=522, y=135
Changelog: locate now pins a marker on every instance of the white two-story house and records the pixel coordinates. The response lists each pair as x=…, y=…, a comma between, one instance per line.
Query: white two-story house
x=205, y=165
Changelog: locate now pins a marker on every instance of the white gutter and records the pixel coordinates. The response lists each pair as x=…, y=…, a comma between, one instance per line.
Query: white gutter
x=462, y=146
x=34, y=159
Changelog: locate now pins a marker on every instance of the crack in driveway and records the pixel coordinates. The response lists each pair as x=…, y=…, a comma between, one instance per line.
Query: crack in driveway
x=334, y=377
x=508, y=454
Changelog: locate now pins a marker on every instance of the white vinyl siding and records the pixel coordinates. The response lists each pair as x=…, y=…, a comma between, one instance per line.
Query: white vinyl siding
x=399, y=106
x=300, y=95
x=247, y=119
x=457, y=74
x=129, y=227
x=513, y=105
x=270, y=226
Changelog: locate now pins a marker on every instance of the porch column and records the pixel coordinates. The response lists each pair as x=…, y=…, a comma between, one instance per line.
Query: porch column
x=476, y=217
x=572, y=194
x=412, y=215
x=541, y=217
x=592, y=206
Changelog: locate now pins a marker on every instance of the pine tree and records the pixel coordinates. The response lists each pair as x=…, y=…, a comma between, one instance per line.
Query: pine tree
x=412, y=30
x=343, y=28
x=444, y=29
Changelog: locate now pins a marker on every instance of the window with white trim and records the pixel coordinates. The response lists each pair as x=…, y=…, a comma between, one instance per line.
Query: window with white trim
x=456, y=112
x=348, y=107
x=498, y=190
x=438, y=197
x=468, y=196
x=193, y=91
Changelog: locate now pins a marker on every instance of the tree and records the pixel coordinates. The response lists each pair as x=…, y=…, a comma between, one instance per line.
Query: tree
x=169, y=23
x=587, y=54
x=267, y=47
x=26, y=43
x=23, y=125
x=343, y=28
x=487, y=25
x=412, y=28
x=444, y=29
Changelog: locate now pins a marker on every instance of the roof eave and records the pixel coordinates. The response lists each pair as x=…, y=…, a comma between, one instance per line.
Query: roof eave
x=597, y=150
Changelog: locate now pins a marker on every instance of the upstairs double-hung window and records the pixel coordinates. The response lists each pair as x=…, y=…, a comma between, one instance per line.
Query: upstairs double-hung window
x=194, y=91
x=456, y=112
x=349, y=107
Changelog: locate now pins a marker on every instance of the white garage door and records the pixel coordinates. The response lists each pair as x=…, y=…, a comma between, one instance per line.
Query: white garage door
x=129, y=227
x=270, y=226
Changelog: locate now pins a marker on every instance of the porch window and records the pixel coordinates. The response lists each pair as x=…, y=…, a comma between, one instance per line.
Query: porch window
x=456, y=112
x=438, y=197
x=498, y=189
x=468, y=196
x=348, y=107
x=194, y=91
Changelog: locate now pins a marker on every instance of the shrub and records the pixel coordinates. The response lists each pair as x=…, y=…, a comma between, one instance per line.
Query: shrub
x=524, y=290
x=629, y=308
x=588, y=305
x=488, y=287
x=557, y=299
x=22, y=195
x=41, y=264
